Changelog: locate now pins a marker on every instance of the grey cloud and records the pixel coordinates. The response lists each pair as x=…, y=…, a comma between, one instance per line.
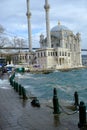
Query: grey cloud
x=71, y=13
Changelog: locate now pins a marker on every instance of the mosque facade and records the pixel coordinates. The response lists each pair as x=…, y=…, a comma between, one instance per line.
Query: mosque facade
x=60, y=49
x=65, y=50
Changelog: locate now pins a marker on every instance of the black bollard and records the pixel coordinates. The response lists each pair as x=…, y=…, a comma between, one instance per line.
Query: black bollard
x=55, y=102
x=24, y=93
x=82, y=115
x=13, y=75
x=17, y=86
x=76, y=99
x=14, y=86
x=20, y=90
x=10, y=81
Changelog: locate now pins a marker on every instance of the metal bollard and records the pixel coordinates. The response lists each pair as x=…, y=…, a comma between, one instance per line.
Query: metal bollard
x=10, y=81
x=13, y=75
x=82, y=115
x=16, y=86
x=76, y=99
x=20, y=90
x=55, y=102
x=24, y=93
x=12, y=84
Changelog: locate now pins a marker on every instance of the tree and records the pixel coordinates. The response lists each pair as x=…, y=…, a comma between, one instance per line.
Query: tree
x=19, y=42
x=6, y=41
x=2, y=38
x=3, y=41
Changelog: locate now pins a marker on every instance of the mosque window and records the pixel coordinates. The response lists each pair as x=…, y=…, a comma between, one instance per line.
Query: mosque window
x=51, y=53
x=58, y=44
x=23, y=57
x=38, y=54
x=52, y=45
x=44, y=54
x=69, y=54
x=56, y=53
x=65, y=54
x=29, y=57
x=41, y=54
x=48, y=53
x=20, y=57
x=62, y=53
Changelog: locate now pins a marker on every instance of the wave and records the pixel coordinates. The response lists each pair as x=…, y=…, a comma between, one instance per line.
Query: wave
x=65, y=82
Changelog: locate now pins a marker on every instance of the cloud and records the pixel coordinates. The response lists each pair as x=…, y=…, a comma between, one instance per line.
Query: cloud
x=71, y=13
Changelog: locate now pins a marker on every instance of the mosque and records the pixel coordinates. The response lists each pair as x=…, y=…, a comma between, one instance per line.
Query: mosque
x=65, y=51
x=60, y=49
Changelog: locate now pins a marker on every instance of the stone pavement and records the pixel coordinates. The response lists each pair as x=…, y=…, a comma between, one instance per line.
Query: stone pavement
x=16, y=114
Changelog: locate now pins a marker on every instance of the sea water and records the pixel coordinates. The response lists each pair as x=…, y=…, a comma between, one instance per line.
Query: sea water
x=66, y=83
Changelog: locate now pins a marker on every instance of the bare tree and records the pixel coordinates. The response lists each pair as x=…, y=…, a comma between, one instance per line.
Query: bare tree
x=19, y=42
x=2, y=38
x=9, y=42
x=3, y=41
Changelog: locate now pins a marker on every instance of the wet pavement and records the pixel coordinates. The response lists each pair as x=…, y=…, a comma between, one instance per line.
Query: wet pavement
x=17, y=114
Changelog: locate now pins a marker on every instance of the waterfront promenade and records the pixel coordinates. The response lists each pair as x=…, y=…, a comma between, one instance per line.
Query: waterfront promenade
x=16, y=114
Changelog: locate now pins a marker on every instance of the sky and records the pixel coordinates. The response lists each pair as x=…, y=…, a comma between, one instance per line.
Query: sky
x=71, y=13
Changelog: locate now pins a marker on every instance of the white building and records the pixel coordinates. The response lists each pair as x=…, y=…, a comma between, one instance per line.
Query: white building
x=65, y=51
x=59, y=50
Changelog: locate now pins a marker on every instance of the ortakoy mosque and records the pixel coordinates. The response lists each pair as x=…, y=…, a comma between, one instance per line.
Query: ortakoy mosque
x=65, y=51
x=60, y=49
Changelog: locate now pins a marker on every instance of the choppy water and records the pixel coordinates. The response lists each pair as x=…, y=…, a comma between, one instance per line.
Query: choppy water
x=41, y=85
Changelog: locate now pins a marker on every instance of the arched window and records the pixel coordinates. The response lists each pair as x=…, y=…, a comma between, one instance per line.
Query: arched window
x=52, y=45
x=41, y=54
x=44, y=53
x=48, y=53
x=57, y=44
x=38, y=55
x=56, y=53
x=51, y=53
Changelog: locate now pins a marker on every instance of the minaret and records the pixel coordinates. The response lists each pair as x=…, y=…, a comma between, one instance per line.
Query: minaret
x=29, y=25
x=47, y=7
x=79, y=48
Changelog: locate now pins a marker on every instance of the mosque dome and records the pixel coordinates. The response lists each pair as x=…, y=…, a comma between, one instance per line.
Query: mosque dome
x=59, y=27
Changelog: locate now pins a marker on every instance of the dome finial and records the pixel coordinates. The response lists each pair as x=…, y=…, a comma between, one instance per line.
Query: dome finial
x=58, y=23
